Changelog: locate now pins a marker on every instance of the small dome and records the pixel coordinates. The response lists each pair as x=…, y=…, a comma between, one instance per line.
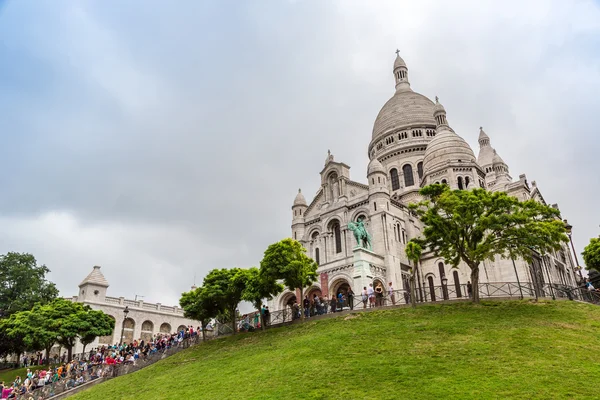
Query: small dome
x=399, y=62
x=375, y=166
x=438, y=108
x=446, y=147
x=299, y=200
x=482, y=134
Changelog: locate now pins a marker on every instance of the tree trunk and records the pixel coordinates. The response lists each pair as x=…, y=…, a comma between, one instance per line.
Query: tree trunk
x=203, y=323
x=262, y=318
x=233, y=320
x=70, y=354
x=413, y=300
x=475, y=283
x=48, y=356
x=83, y=351
x=301, y=304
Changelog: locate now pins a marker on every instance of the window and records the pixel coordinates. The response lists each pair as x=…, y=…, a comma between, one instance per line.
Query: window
x=317, y=255
x=442, y=271
x=444, y=182
x=409, y=179
x=467, y=182
x=375, y=206
x=403, y=236
x=431, y=288
x=457, y=284
x=460, y=183
x=395, y=180
x=338, y=237
x=420, y=170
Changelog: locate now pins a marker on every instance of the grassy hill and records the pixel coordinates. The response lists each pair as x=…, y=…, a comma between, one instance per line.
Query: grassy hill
x=498, y=350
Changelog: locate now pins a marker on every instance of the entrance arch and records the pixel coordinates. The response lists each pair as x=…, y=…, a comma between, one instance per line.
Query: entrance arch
x=287, y=300
x=311, y=292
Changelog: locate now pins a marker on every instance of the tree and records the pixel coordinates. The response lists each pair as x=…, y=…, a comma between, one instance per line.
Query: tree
x=33, y=329
x=287, y=260
x=23, y=283
x=477, y=225
x=413, y=253
x=225, y=287
x=198, y=305
x=92, y=324
x=591, y=254
x=258, y=288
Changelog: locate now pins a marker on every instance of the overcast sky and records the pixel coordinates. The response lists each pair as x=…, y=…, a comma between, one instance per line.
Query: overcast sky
x=163, y=139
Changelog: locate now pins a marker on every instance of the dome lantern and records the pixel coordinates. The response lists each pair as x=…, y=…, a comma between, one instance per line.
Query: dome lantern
x=401, y=74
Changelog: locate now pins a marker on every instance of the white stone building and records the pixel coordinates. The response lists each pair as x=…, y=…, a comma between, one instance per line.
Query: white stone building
x=412, y=145
x=144, y=320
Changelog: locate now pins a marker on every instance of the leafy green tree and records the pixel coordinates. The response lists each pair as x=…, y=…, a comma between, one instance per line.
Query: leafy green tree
x=23, y=283
x=591, y=254
x=260, y=287
x=225, y=288
x=413, y=253
x=287, y=260
x=477, y=225
x=199, y=306
x=93, y=324
x=33, y=329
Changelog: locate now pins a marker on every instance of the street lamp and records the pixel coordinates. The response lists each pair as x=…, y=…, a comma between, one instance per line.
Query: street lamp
x=125, y=312
x=445, y=287
x=569, y=229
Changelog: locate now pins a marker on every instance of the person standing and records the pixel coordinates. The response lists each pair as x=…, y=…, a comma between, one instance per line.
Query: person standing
x=470, y=289
x=365, y=297
x=350, y=295
x=371, y=294
x=379, y=295
x=391, y=294
x=332, y=303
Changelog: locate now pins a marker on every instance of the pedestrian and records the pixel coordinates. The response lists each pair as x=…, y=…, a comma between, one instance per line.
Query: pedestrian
x=469, y=289
x=350, y=295
x=365, y=297
x=371, y=294
x=391, y=294
x=332, y=303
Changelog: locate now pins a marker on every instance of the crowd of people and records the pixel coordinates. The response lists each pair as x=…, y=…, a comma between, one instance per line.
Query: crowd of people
x=98, y=362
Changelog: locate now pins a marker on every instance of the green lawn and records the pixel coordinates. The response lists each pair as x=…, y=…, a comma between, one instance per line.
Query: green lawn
x=498, y=350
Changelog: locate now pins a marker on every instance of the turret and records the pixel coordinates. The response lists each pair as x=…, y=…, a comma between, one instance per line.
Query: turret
x=401, y=74
x=298, y=211
x=93, y=287
x=379, y=193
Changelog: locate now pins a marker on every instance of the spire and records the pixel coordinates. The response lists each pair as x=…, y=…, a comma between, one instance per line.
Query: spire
x=95, y=278
x=299, y=200
x=401, y=74
x=484, y=139
x=439, y=113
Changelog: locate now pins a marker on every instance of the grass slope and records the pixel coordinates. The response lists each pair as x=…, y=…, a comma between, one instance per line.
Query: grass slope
x=516, y=350
x=9, y=375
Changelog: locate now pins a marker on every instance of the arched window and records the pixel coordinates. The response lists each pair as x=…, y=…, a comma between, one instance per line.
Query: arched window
x=431, y=288
x=442, y=271
x=460, y=183
x=467, y=181
x=147, y=331
x=444, y=182
x=420, y=170
x=337, y=236
x=317, y=255
x=165, y=328
x=409, y=179
x=395, y=180
x=403, y=236
x=456, y=284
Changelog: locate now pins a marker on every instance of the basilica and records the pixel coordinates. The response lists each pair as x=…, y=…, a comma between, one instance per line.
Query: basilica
x=412, y=145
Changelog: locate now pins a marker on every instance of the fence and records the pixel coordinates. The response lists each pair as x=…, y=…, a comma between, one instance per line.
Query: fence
x=93, y=372
x=431, y=294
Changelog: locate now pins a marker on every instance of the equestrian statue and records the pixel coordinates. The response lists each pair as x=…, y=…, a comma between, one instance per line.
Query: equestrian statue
x=363, y=239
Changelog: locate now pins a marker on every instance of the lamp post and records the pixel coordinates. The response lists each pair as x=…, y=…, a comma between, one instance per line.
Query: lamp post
x=569, y=229
x=445, y=287
x=125, y=312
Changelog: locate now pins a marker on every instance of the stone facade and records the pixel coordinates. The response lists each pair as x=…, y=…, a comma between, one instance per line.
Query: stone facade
x=412, y=145
x=144, y=320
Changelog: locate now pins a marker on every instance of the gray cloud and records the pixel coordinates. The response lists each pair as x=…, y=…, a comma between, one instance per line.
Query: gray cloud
x=161, y=142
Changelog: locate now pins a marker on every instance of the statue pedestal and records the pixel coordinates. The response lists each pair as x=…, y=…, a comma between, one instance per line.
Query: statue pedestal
x=362, y=275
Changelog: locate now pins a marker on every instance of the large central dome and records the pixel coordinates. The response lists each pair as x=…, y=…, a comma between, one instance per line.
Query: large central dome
x=406, y=108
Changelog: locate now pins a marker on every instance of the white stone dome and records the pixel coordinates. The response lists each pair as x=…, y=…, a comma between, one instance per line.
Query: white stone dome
x=375, y=166
x=299, y=200
x=446, y=147
x=406, y=108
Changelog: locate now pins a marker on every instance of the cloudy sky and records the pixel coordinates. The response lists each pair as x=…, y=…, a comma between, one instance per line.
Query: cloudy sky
x=161, y=140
